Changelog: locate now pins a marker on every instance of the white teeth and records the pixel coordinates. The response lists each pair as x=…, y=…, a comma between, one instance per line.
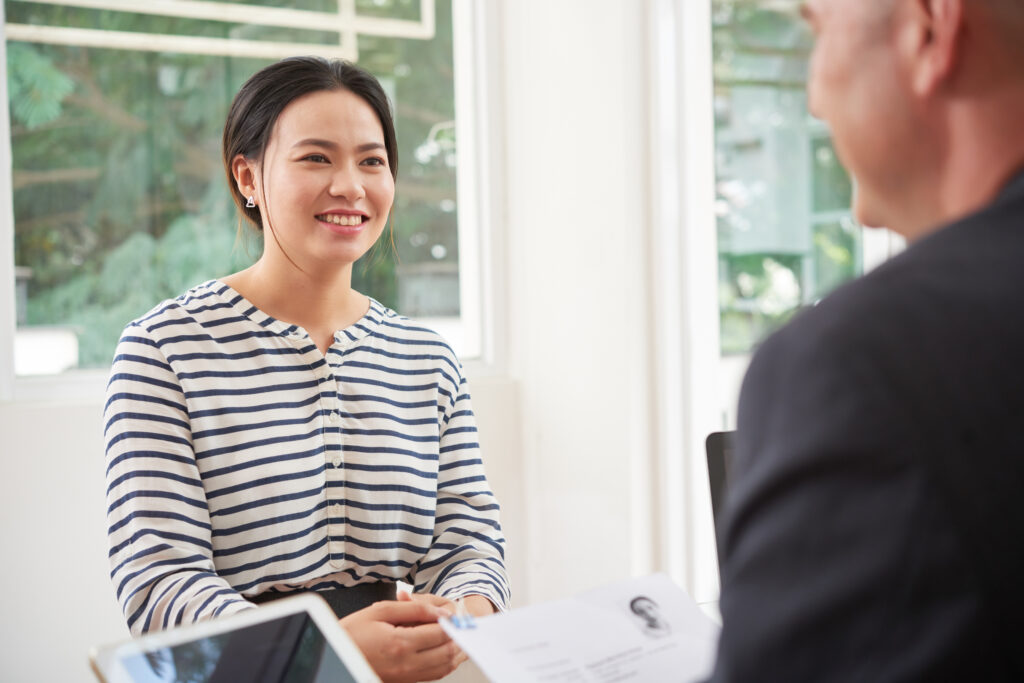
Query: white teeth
x=339, y=219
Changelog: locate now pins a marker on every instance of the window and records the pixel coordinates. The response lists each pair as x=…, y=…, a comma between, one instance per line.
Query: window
x=750, y=220
x=119, y=196
x=785, y=233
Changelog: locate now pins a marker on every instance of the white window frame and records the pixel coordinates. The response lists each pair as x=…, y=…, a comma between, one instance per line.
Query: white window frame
x=348, y=24
x=474, y=334
x=684, y=267
x=480, y=188
x=7, y=303
x=879, y=245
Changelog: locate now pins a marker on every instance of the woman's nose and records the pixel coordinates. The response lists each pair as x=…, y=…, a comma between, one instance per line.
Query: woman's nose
x=346, y=182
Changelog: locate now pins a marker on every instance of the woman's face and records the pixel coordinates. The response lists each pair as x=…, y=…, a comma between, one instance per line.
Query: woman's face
x=326, y=185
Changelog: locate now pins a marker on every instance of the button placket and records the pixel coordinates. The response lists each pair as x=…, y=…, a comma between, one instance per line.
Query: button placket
x=331, y=429
x=331, y=406
x=333, y=437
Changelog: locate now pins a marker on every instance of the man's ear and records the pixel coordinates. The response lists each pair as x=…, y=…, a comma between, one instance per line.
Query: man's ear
x=930, y=40
x=245, y=171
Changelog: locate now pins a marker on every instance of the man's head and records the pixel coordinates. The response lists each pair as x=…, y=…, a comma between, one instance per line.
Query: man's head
x=912, y=90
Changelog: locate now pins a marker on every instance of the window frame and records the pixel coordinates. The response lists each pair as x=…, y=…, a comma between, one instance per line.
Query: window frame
x=213, y=10
x=7, y=293
x=684, y=271
x=479, y=188
x=477, y=212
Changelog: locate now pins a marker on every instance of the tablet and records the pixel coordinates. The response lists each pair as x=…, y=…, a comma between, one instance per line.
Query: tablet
x=291, y=640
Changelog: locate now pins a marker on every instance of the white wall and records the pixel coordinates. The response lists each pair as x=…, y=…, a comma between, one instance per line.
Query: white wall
x=58, y=600
x=576, y=221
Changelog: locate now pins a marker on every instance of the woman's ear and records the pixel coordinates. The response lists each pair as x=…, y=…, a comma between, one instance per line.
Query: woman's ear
x=245, y=172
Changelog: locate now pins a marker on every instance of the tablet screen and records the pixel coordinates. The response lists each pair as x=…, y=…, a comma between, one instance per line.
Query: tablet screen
x=289, y=649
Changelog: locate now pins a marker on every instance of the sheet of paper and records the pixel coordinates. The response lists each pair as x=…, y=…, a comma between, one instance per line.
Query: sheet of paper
x=644, y=629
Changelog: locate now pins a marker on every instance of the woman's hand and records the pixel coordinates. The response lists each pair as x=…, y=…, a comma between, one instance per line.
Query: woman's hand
x=477, y=605
x=402, y=641
x=428, y=599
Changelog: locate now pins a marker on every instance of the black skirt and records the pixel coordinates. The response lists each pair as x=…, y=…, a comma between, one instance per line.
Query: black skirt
x=344, y=601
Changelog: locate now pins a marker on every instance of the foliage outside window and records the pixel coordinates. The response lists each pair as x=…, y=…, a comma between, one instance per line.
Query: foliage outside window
x=786, y=237
x=120, y=198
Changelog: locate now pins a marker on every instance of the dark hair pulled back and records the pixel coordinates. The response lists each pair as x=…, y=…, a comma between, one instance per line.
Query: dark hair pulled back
x=262, y=98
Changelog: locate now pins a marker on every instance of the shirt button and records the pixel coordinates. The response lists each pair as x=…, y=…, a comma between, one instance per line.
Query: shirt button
x=336, y=461
x=334, y=416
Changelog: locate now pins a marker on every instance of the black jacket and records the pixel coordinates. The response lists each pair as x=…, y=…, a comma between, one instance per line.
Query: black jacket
x=874, y=525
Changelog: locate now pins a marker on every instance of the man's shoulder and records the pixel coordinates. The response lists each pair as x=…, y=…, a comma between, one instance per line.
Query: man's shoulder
x=849, y=317
x=931, y=336
x=961, y=275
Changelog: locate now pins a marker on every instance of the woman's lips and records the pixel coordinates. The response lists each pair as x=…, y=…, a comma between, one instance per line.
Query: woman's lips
x=343, y=223
x=347, y=219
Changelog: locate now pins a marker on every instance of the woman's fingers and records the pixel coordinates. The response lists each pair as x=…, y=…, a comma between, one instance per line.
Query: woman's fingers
x=403, y=642
x=428, y=598
x=434, y=653
x=400, y=613
x=426, y=637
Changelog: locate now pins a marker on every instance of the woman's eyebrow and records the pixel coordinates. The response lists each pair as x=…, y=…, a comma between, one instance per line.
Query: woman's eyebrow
x=315, y=142
x=328, y=144
x=370, y=146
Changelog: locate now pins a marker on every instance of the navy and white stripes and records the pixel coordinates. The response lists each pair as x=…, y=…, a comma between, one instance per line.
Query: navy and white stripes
x=241, y=460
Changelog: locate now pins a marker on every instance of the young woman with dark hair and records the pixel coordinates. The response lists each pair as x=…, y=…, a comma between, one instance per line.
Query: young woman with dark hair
x=276, y=431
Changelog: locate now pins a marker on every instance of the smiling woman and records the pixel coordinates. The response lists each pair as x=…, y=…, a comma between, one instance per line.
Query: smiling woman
x=276, y=430
x=318, y=160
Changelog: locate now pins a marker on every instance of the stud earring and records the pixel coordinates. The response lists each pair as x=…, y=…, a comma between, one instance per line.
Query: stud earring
x=249, y=203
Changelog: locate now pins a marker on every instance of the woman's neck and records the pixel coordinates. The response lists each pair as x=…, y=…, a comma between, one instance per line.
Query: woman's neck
x=321, y=303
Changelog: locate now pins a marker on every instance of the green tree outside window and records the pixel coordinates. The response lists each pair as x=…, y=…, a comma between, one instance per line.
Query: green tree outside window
x=120, y=198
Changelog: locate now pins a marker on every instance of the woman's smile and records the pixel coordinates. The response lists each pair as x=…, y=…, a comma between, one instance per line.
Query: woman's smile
x=344, y=223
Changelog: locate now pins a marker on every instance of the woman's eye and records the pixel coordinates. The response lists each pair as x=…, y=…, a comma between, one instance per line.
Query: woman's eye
x=374, y=161
x=318, y=158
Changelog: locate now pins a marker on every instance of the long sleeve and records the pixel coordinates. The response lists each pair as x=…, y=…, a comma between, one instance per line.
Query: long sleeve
x=159, y=527
x=467, y=553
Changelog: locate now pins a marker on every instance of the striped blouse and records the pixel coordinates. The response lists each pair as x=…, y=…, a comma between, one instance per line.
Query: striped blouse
x=241, y=460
